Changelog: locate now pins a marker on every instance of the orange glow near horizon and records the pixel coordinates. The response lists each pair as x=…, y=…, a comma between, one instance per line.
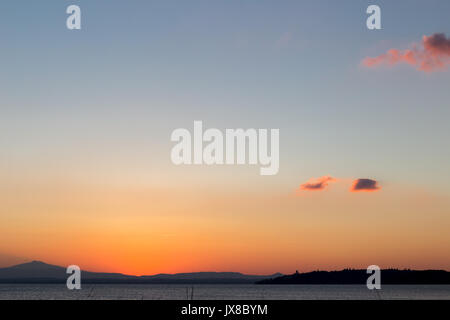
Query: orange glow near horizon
x=147, y=231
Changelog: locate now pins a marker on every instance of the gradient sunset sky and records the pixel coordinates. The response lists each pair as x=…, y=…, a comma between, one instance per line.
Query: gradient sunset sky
x=86, y=119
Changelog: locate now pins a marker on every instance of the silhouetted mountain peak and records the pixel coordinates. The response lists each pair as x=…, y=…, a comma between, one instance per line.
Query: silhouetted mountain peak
x=35, y=265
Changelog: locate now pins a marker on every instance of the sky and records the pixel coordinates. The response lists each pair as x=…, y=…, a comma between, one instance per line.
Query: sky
x=86, y=119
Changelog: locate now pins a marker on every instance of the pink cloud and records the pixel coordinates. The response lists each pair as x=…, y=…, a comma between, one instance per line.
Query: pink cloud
x=433, y=54
x=318, y=184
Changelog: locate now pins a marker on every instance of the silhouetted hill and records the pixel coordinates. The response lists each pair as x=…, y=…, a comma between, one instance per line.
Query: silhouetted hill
x=350, y=276
x=40, y=272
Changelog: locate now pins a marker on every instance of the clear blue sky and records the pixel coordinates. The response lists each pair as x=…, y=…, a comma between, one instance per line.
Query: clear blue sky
x=139, y=69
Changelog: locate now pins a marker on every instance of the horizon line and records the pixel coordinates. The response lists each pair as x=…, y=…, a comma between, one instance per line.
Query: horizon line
x=237, y=272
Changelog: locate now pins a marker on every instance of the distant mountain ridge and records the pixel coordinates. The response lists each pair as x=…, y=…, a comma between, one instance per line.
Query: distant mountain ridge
x=40, y=272
x=354, y=276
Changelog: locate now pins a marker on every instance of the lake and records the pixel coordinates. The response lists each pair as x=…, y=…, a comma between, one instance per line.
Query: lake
x=221, y=292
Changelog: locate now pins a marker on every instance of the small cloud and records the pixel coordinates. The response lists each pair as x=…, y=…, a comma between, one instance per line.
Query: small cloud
x=367, y=185
x=433, y=54
x=284, y=39
x=318, y=184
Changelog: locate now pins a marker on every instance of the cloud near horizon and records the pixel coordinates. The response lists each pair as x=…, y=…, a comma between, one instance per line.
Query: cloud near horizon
x=358, y=185
x=367, y=185
x=433, y=54
x=317, y=184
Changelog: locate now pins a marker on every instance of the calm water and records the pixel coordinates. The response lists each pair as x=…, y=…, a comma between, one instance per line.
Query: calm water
x=224, y=292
